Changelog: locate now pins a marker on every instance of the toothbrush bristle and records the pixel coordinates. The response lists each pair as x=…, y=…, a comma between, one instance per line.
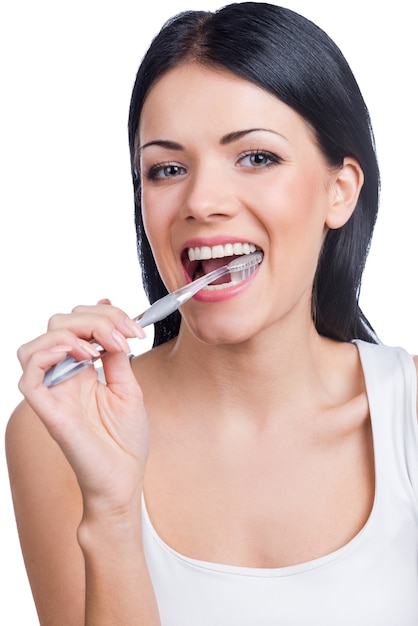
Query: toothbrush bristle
x=246, y=262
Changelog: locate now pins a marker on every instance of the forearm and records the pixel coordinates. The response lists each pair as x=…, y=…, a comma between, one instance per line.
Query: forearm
x=118, y=586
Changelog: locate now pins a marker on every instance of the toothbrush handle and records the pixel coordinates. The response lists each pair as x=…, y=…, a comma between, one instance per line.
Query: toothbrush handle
x=69, y=366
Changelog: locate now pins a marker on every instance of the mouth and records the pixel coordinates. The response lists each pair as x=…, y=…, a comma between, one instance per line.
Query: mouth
x=200, y=260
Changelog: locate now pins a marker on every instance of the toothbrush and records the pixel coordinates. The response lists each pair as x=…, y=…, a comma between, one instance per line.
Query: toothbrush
x=245, y=265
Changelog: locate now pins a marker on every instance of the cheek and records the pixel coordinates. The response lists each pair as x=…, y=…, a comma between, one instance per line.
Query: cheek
x=154, y=217
x=160, y=206
x=298, y=205
x=155, y=229
x=158, y=225
x=296, y=220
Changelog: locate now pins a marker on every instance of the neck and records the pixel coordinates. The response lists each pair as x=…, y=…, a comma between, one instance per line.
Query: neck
x=275, y=371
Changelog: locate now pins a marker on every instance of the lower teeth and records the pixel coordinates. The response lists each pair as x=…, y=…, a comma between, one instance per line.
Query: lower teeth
x=222, y=285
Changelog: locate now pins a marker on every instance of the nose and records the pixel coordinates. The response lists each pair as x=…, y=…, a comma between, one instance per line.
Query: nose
x=210, y=195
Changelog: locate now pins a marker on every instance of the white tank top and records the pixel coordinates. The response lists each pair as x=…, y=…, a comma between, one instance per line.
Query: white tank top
x=371, y=581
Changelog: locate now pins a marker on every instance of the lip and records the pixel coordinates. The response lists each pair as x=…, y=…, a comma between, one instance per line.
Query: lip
x=227, y=292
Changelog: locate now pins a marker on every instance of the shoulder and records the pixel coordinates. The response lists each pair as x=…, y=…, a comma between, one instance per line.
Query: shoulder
x=40, y=475
x=149, y=366
x=48, y=508
x=29, y=446
x=381, y=362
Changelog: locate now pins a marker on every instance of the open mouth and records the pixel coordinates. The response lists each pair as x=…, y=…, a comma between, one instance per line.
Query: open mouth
x=198, y=261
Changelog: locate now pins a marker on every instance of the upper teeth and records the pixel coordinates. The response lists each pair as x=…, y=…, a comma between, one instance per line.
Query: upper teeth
x=218, y=252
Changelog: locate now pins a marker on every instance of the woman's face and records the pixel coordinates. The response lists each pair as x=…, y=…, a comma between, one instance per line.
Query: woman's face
x=224, y=162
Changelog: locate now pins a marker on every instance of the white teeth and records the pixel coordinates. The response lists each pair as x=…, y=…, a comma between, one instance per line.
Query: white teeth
x=203, y=253
x=229, y=249
x=218, y=252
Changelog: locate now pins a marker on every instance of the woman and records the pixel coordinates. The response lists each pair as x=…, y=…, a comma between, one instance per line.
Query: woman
x=260, y=464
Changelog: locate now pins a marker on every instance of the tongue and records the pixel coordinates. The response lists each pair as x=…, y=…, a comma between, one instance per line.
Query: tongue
x=212, y=264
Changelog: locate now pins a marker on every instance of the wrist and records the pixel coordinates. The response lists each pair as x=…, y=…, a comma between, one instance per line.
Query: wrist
x=113, y=554
x=120, y=526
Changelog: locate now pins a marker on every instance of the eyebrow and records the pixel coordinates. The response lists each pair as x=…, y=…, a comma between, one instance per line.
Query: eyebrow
x=225, y=140
x=238, y=134
x=164, y=143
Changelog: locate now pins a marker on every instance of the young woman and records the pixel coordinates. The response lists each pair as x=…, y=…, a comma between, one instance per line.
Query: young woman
x=260, y=464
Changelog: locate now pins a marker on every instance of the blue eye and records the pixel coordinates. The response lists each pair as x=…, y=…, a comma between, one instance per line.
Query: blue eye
x=258, y=159
x=164, y=171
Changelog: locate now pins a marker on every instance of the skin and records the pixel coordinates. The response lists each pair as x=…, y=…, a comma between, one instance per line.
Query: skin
x=216, y=431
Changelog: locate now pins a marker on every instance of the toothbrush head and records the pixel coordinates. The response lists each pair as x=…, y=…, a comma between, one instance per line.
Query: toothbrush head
x=245, y=265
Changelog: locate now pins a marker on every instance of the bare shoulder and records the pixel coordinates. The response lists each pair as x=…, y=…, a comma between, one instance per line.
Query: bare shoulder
x=48, y=508
x=149, y=366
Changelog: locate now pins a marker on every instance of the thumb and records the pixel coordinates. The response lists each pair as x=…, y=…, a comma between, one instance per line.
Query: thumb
x=118, y=371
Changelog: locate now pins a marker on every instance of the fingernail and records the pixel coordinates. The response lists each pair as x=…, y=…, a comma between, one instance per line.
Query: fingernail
x=135, y=329
x=120, y=341
x=89, y=348
x=60, y=348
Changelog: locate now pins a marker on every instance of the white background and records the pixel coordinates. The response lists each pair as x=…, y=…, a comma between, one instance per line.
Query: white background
x=67, y=233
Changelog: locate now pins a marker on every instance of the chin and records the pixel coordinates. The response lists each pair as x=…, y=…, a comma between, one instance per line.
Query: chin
x=218, y=334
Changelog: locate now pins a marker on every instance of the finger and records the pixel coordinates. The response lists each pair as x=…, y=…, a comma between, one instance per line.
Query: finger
x=38, y=364
x=52, y=404
x=122, y=321
x=103, y=306
x=110, y=330
x=120, y=378
x=56, y=341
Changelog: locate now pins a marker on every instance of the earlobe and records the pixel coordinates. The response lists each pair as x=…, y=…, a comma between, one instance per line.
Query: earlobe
x=346, y=189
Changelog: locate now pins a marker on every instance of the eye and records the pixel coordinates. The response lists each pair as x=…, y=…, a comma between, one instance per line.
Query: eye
x=257, y=159
x=162, y=171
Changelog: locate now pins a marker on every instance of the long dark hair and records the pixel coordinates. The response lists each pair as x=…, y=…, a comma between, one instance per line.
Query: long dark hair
x=292, y=58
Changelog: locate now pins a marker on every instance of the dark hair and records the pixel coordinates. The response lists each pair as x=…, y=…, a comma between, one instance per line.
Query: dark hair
x=292, y=58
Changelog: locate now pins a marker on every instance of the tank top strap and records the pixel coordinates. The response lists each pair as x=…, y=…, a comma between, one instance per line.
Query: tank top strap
x=391, y=384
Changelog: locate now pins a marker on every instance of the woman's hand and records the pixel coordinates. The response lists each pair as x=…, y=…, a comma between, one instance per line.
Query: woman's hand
x=101, y=429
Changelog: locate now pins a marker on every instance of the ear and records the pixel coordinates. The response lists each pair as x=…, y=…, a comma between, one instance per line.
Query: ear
x=345, y=191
